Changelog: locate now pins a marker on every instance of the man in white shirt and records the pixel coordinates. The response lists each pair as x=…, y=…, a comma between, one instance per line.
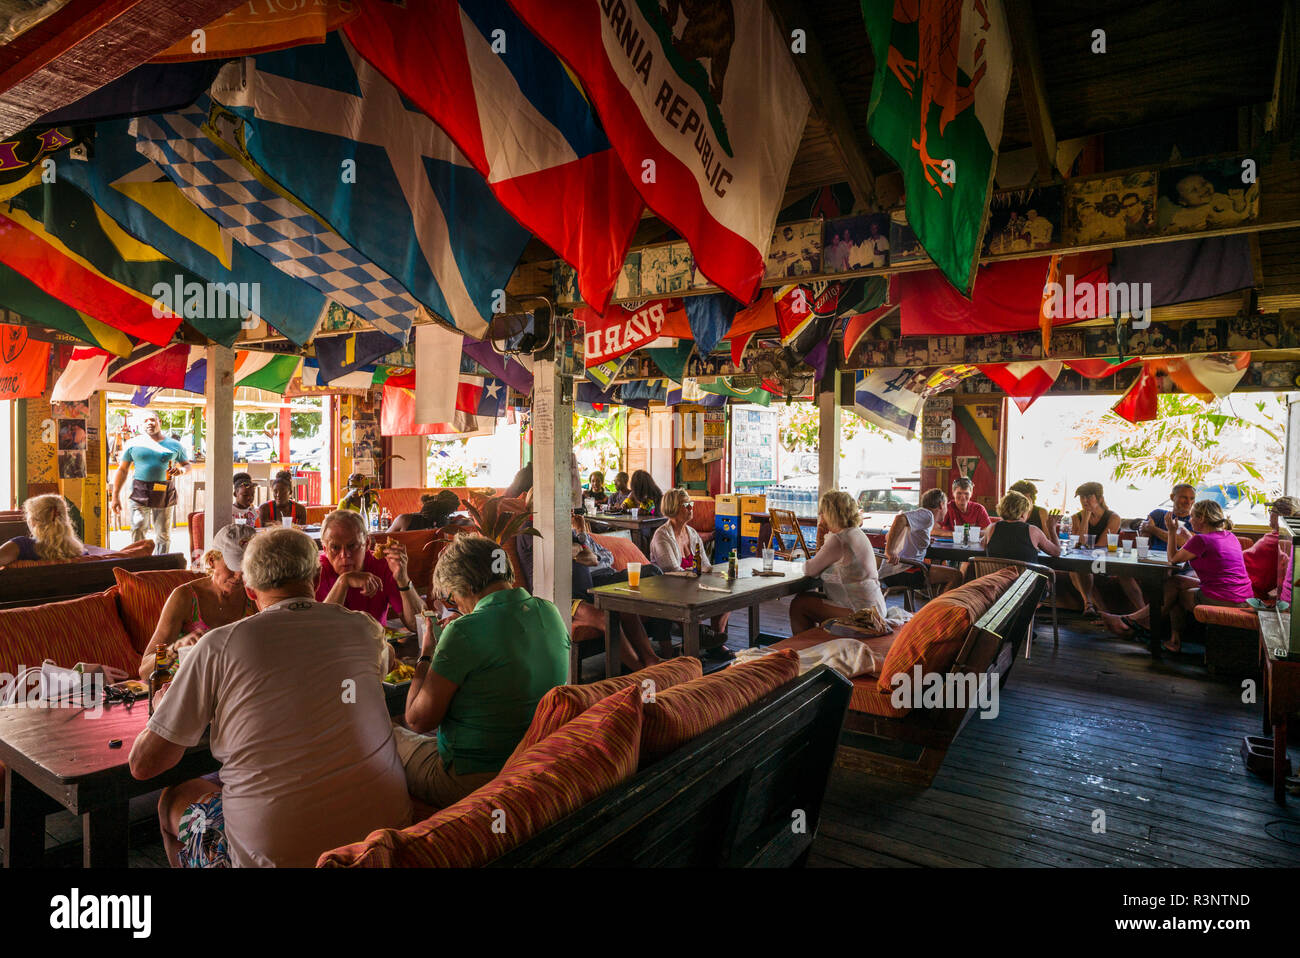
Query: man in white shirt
x=298, y=721
x=909, y=538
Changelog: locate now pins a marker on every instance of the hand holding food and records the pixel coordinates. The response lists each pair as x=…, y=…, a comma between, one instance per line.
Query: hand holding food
x=367, y=583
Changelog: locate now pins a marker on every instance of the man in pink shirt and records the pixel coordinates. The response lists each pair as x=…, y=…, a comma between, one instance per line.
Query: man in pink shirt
x=962, y=510
x=353, y=578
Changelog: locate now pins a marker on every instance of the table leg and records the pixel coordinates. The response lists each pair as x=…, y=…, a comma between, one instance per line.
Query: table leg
x=691, y=637
x=753, y=625
x=1153, y=590
x=104, y=836
x=25, y=809
x=612, y=659
x=1266, y=680
x=1279, y=761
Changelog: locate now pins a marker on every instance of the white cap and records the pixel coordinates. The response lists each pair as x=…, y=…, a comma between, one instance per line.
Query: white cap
x=231, y=541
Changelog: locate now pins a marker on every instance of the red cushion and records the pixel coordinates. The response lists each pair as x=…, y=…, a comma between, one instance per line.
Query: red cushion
x=594, y=753
x=142, y=596
x=86, y=629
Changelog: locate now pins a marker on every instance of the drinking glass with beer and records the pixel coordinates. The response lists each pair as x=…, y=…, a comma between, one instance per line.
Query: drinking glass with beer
x=634, y=575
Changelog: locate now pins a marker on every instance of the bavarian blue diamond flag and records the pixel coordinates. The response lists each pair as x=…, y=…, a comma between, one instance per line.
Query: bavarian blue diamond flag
x=337, y=136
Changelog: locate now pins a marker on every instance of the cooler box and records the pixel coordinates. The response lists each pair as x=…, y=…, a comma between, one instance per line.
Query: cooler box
x=750, y=547
x=750, y=527
x=725, y=537
x=726, y=505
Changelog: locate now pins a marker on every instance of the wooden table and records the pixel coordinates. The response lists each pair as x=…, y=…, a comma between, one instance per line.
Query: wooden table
x=642, y=528
x=60, y=758
x=690, y=601
x=1151, y=576
x=1281, y=693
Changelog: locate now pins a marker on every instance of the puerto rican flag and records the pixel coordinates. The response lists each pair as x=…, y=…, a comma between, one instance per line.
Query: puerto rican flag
x=705, y=113
x=519, y=117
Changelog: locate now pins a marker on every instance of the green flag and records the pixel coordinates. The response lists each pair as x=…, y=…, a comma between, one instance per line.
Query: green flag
x=937, y=101
x=33, y=306
x=266, y=371
x=722, y=387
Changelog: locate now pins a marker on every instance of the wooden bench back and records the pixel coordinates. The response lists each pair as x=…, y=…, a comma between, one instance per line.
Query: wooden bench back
x=727, y=798
x=37, y=585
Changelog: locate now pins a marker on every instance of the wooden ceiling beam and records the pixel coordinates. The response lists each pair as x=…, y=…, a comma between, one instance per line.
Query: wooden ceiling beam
x=827, y=102
x=1033, y=90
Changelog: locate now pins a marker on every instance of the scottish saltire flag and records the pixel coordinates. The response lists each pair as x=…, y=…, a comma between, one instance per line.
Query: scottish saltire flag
x=381, y=173
x=711, y=99
x=247, y=207
x=138, y=195
x=520, y=119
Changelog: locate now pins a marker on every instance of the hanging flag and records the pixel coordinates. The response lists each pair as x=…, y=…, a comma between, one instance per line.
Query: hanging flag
x=1009, y=297
x=1045, y=310
x=1140, y=403
x=437, y=372
x=722, y=387
x=202, y=157
x=35, y=306
x=604, y=374
x=510, y=371
x=1207, y=377
x=139, y=196
x=149, y=88
x=1187, y=270
x=85, y=374
x=709, y=149
x=383, y=175
x=397, y=417
x=710, y=316
x=1100, y=368
x=269, y=371
x=937, y=101
x=879, y=299
x=1023, y=382
x=19, y=154
x=752, y=319
x=520, y=119
x=892, y=398
x=481, y=396
x=339, y=355
x=673, y=361
x=625, y=327
x=148, y=365
x=359, y=379
x=49, y=264
x=258, y=28
x=24, y=364
x=69, y=215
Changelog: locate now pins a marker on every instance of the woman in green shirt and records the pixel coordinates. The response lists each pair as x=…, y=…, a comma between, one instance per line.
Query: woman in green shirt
x=480, y=682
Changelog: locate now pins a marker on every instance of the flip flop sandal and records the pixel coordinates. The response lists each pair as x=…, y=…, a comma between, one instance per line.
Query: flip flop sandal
x=1141, y=631
x=1091, y=613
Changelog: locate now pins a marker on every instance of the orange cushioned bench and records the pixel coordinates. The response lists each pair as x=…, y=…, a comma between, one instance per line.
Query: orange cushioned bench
x=1231, y=638
x=968, y=631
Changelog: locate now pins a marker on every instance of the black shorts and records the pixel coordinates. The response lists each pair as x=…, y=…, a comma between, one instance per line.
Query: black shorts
x=911, y=579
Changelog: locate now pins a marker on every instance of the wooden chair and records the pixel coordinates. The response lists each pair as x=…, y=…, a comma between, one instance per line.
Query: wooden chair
x=786, y=525
x=983, y=565
x=909, y=592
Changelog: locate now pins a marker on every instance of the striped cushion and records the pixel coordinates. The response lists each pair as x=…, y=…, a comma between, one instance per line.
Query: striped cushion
x=868, y=698
x=1226, y=615
x=564, y=703
x=680, y=713
x=594, y=753
x=81, y=630
x=142, y=596
x=931, y=638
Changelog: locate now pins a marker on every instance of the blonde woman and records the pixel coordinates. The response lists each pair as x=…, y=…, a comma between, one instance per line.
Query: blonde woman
x=847, y=566
x=675, y=545
x=52, y=536
x=202, y=604
x=1013, y=537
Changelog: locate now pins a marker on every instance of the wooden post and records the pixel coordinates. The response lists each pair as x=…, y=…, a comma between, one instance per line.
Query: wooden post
x=552, y=487
x=828, y=433
x=219, y=412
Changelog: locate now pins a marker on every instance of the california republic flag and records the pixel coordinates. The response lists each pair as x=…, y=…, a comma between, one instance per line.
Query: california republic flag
x=943, y=68
x=702, y=103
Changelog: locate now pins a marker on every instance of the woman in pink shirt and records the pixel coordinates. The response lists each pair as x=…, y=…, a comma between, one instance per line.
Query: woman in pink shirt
x=1216, y=557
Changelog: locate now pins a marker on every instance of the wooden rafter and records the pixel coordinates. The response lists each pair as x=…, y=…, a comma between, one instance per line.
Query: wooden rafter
x=827, y=103
x=1033, y=91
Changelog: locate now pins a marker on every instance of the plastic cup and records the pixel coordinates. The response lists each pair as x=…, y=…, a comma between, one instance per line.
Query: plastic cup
x=634, y=512
x=769, y=555
x=634, y=575
x=1071, y=543
x=1143, y=545
x=286, y=521
x=1112, y=542
x=1089, y=541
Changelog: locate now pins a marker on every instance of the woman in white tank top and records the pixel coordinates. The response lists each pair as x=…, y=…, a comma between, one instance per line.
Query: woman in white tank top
x=847, y=566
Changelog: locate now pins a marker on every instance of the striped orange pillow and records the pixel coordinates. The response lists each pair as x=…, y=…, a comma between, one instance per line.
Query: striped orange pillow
x=680, y=713
x=143, y=595
x=931, y=638
x=591, y=755
x=80, y=630
x=564, y=703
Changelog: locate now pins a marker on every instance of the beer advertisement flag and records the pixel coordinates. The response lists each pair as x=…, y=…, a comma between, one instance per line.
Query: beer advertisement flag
x=709, y=149
x=937, y=103
x=625, y=327
x=24, y=363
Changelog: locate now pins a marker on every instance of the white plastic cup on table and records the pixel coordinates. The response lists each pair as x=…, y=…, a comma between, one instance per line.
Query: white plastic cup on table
x=1112, y=542
x=286, y=521
x=1143, y=545
x=635, y=512
x=634, y=575
x=1071, y=542
x=769, y=555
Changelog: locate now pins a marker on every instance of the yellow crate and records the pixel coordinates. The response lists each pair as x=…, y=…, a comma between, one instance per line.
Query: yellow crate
x=726, y=505
x=750, y=527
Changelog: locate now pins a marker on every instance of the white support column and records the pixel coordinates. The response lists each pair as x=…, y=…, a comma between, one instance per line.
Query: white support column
x=1291, y=485
x=552, y=488
x=828, y=433
x=219, y=416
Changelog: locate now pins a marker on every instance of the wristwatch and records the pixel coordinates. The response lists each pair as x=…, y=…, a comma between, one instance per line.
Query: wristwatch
x=424, y=658
x=403, y=588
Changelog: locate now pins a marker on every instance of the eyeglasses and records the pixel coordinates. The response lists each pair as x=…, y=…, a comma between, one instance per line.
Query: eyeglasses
x=334, y=548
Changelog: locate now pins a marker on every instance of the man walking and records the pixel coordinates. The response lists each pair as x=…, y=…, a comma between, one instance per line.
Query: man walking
x=158, y=461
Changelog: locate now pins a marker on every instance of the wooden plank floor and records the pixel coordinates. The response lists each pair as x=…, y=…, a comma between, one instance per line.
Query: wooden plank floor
x=1092, y=726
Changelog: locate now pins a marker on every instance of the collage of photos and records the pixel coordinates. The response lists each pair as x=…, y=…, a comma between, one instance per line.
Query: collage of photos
x=72, y=437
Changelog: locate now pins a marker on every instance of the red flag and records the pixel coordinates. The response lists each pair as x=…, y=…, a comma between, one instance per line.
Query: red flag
x=625, y=328
x=1100, y=368
x=24, y=363
x=1023, y=382
x=855, y=327
x=750, y=320
x=397, y=418
x=1139, y=403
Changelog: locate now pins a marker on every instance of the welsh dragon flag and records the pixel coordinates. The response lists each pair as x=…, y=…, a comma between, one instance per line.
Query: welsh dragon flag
x=943, y=68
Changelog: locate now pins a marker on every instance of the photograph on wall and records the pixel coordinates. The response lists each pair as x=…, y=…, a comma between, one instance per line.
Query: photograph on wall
x=912, y=351
x=1108, y=209
x=1156, y=339
x=1276, y=375
x=629, y=278
x=1066, y=342
x=1202, y=336
x=1101, y=341
x=1288, y=329
x=856, y=242
x=1068, y=382
x=796, y=250
x=1208, y=195
x=1252, y=332
x=945, y=350
x=565, y=278
x=1021, y=220
x=666, y=270
x=70, y=410
x=1027, y=345
x=72, y=435
x=72, y=464
x=990, y=349
x=872, y=354
x=904, y=247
